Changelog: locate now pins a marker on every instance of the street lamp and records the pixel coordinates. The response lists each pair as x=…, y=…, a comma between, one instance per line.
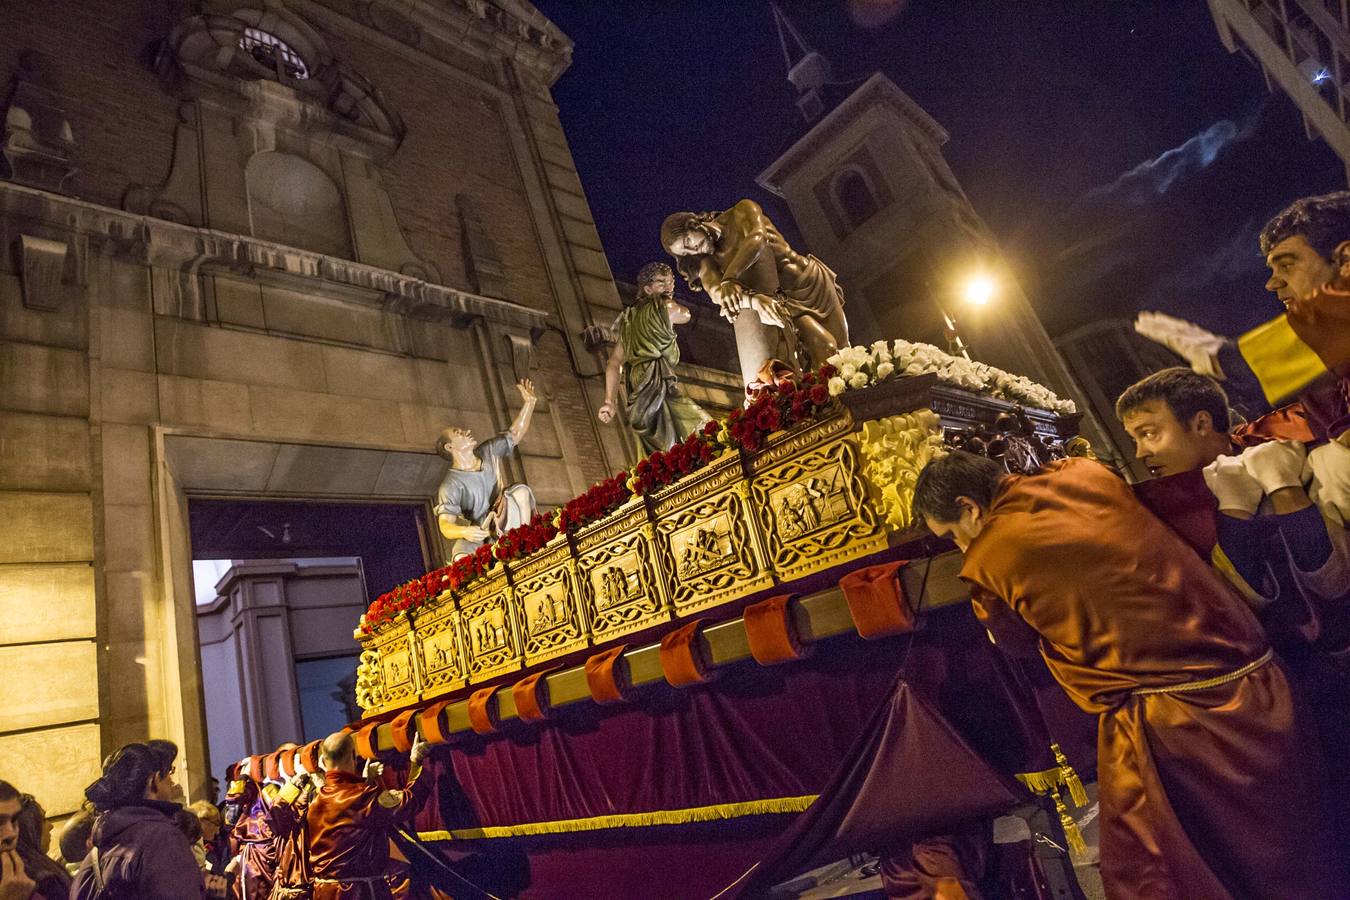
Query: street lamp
x=977, y=290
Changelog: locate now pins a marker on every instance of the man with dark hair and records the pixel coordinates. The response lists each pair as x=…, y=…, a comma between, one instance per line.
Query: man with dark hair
x=1303, y=353
x=14, y=881
x=1269, y=537
x=1208, y=784
x=1179, y=420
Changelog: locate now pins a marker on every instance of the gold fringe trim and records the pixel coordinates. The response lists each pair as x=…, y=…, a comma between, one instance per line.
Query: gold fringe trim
x=1049, y=782
x=630, y=820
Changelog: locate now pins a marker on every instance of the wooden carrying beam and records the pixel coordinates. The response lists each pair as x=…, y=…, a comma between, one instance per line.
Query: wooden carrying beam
x=814, y=617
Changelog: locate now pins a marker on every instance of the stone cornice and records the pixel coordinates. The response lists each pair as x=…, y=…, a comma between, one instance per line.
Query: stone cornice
x=876, y=90
x=509, y=29
x=90, y=228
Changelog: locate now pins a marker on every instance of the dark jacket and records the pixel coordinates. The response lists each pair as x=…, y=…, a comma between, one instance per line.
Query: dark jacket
x=142, y=855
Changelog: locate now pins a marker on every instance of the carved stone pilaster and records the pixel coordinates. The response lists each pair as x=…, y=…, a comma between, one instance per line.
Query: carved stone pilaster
x=482, y=263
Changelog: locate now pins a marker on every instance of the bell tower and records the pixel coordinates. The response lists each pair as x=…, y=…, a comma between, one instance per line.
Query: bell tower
x=874, y=198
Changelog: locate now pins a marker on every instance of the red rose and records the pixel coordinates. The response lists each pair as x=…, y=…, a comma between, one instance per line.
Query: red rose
x=820, y=395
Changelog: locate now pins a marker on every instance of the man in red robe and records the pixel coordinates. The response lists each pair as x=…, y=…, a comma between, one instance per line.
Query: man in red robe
x=1209, y=783
x=349, y=821
x=1246, y=508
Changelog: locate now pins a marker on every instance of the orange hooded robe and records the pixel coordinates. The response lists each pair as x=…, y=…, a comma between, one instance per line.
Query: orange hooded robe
x=1208, y=782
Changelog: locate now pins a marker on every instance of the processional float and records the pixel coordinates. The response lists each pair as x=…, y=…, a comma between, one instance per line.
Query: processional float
x=676, y=652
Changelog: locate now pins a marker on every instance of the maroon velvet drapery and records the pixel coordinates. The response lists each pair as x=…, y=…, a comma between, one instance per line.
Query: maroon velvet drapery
x=752, y=734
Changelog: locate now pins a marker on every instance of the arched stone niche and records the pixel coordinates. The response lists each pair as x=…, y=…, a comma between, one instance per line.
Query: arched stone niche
x=291, y=201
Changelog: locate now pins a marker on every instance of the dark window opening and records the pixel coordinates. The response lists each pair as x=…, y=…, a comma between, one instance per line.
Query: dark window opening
x=274, y=53
x=855, y=198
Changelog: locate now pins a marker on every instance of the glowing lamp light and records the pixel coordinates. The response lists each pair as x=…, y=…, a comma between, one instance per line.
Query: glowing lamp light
x=1321, y=76
x=979, y=290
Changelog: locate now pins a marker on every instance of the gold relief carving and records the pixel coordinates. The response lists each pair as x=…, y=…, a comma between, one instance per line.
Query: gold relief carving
x=491, y=638
x=894, y=450
x=552, y=623
x=708, y=552
x=812, y=508
x=398, y=675
x=369, y=682
x=440, y=651
x=790, y=443
x=620, y=584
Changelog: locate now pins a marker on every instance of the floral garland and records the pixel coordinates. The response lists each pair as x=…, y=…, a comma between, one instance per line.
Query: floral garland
x=599, y=501
x=861, y=367
x=775, y=407
x=528, y=538
x=778, y=406
x=420, y=591
x=665, y=467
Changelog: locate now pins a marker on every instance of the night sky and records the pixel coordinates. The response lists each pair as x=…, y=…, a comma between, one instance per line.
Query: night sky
x=1054, y=110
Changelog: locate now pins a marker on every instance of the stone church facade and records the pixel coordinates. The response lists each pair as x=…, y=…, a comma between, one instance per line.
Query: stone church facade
x=262, y=249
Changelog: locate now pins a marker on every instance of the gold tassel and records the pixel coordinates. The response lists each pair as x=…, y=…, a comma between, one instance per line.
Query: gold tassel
x=1072, y=835
x=1069, y=777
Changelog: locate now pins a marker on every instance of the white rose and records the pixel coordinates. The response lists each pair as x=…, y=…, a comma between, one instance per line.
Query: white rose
x=847, y=370
x=859, y=380
x=884, y=370
x=836, y=386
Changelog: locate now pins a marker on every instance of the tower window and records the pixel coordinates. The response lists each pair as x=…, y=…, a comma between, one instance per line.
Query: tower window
x=274, y=53
x=855, y=198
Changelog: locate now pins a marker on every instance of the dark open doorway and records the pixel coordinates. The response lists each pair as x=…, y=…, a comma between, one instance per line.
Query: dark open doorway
x=279, y=586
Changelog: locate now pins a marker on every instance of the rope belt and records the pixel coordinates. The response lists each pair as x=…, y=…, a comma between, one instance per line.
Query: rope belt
x=368, y=879
x=1188, y=686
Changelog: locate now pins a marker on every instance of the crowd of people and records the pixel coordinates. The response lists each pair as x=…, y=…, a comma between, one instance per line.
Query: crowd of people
x=316, y=836
x=1203, y=615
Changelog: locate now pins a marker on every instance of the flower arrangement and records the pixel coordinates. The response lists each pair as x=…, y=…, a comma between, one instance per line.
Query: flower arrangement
x=778, y=406
x=666, y=467
x=420, y=591
x=775, y=407
x=860, y=367
x=528, y=538
x=599, y=501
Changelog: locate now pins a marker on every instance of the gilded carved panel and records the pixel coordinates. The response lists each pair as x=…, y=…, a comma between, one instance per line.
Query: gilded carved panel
x=552, y=621
x=709, y=551
x=440, y=649
x=398, y=674
x=620, y=584
x=491, y=632
x=810, y=501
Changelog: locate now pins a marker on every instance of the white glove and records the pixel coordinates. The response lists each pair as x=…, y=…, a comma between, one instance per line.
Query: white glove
x=374, y=769
x=1200, y=348
x=1229, y=481
x=1276, y=465
x=420, y=749
x=1329, y=466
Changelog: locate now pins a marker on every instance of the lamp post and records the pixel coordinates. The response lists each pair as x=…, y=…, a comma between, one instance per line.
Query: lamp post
x=977, y=290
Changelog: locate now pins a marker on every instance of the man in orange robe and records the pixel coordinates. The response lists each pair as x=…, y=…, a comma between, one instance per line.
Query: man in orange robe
x=349, y=822
x=1209, y=784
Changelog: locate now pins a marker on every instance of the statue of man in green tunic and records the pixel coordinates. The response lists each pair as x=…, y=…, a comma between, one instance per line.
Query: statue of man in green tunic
x=645, y=356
